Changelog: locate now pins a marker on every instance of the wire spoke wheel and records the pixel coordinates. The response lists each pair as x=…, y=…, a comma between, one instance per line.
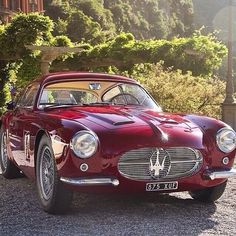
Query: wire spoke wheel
x=46, y=173
x=8, y=167
x=4, y=151
x=54, y=198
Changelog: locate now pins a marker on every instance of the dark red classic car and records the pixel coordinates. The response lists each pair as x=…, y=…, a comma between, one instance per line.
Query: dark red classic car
x=91, y=131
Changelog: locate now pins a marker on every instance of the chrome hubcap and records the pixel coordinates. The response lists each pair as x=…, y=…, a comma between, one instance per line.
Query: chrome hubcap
x=46, y=173
x=4, y=151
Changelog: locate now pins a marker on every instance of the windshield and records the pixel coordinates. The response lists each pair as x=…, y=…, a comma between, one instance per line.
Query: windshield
x=128, y=94
x=85, y=93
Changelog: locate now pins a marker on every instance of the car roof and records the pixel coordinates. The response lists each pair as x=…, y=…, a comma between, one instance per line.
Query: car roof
x=51, y=77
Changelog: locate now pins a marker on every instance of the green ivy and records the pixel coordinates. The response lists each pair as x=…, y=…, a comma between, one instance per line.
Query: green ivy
x=199, y=54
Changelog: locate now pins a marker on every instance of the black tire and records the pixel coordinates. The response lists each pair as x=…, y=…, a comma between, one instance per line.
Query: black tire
x=56, y=199
x=209, y=194
x=9, y=170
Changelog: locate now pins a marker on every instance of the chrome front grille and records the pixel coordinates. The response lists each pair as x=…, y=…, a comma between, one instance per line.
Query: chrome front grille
x=181, y=162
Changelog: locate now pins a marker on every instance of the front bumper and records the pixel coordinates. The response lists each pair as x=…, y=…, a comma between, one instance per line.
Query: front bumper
x=85, y=181
x=221, y=174
x=110, y=181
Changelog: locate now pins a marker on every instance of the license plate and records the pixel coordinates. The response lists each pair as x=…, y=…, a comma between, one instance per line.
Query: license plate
x=150, y=187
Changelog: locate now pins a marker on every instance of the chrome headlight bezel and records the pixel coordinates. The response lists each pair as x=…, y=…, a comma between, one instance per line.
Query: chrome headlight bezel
x=80, y=134
x=223, y=146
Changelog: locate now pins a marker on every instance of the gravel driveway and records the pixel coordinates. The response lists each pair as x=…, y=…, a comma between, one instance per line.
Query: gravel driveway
x=92, y=214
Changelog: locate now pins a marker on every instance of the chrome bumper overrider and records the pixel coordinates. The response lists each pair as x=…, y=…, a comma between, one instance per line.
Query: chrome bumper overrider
x=90, y=181
x=224, y=174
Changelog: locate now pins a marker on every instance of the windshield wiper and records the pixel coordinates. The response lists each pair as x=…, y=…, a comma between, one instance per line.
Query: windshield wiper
x=105, y=104
x=97, y=104
x=55, y=105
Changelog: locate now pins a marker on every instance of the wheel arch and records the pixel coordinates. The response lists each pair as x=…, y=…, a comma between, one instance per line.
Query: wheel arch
x=38, y=137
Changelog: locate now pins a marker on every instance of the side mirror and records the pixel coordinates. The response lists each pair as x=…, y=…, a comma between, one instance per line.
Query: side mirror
x=10, y=106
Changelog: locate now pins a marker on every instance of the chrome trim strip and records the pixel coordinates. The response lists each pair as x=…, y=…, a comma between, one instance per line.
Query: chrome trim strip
x=172, y=162
x=90, y=181
x=221, y=174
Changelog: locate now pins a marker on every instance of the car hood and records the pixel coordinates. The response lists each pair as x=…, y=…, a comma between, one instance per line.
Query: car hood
x=129, y=124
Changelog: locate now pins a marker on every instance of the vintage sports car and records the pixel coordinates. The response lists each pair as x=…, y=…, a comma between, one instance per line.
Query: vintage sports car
x=99, y=132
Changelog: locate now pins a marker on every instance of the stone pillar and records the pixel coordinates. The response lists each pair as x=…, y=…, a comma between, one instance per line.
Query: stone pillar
x=45, y=65
x=229, y=114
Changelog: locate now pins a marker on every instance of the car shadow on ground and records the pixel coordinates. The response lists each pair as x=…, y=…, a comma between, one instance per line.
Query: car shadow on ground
x=93, y=201
x=175, y=214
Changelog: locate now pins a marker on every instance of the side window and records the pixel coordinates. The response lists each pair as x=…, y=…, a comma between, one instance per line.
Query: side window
x=28, y=98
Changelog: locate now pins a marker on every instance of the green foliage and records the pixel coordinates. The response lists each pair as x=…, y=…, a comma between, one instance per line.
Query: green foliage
x=26, y=69
x=2, y=28
x=3, y=83
x=62, y=41
x=178, y=92
x=81, y=28
x=15, y=59
x=24, y=30
x=81, y=20
x=144, y=19
x=151, y=18
x=199, y=54
x=96, y=11
x=182, y=17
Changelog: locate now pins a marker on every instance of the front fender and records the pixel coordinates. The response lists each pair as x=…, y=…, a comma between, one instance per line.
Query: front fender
x=209, y=126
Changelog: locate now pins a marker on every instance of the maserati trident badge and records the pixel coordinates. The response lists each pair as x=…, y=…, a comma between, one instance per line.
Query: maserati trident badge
x=160, y=164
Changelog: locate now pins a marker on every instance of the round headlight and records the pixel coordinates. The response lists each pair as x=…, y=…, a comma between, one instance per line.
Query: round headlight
x=226, y=140
x=84, y=144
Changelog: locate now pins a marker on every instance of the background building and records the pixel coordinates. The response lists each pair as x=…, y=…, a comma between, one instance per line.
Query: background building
x=9, y=7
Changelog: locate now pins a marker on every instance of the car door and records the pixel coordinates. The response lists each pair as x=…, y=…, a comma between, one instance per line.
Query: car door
x=19, y=127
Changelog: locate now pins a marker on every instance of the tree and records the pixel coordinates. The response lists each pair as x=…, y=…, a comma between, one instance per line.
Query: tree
x=144, y=19
x=81, y=20
x=4, y=92
x=81, y=28
x=23, y=30
x=97, y=12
